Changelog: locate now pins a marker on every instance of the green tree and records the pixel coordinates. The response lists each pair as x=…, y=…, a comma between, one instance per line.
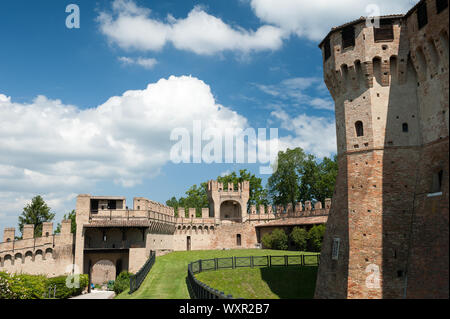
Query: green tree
x=328, y=170
x=36, y=213
x=279, y=240
x=283, y=184
x=315, y=237
x=73, y=226
x=300, y=177
x=299, y=236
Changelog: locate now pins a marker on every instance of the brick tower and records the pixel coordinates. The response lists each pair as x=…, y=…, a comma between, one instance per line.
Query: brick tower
x=387, y=233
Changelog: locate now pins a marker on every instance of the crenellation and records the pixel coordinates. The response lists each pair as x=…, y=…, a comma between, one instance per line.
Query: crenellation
x=28, y=231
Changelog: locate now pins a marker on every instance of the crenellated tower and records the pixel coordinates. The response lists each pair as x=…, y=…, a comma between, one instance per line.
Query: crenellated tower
x=391, y=105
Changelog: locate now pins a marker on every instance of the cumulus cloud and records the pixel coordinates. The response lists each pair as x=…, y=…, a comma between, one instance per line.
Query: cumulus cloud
x=59, y=150
x=146, y=63
x=132, y=27
x=314, y=19
x=48, y=144
x=316, y=135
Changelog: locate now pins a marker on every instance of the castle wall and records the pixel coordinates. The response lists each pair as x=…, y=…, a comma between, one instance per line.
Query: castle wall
x=50, y=255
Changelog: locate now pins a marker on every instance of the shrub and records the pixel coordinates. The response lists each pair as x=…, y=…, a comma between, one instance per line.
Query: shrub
x=111, y=285
x=299, y=236
x=279, y=240
x=267, y=241
x=315, y=237
x=62, y=291
x=23, y=286
x=122, y=282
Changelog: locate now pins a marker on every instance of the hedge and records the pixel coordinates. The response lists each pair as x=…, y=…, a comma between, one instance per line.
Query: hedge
x=23, y=286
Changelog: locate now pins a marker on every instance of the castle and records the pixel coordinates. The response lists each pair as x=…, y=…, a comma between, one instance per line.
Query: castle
x=388, y=231
x=110, y=237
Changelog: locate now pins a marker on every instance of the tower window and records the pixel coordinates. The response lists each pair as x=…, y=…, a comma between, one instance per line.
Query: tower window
x=359, y=129
x=327, y=49
x=238, y=239
x=422, y=17
x=385, y=32
x=441, y=5
x=436, y=187
x=405, y=127
x=348, y=37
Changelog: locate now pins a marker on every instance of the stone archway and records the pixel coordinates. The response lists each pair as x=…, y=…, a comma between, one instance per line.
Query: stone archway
x=231, y=210
x=103, y=271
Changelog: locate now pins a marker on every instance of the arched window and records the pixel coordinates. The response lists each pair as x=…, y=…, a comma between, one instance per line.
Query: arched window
x=359, y=128
x=405, y=127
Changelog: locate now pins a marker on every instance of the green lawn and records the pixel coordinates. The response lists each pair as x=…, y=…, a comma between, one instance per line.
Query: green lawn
x=167, y=279
x=264, y=283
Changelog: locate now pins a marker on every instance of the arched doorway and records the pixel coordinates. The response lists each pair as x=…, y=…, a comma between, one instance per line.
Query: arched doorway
x=103, y=271
x=231, y=210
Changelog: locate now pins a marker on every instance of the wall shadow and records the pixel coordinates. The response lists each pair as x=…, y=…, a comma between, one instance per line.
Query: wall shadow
x=291, y=282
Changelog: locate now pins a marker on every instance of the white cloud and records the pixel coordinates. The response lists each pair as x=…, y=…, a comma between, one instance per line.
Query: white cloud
x=316, y=135
x=314, y=19
x=132, y=27
x=146, y=63
x=57, y=150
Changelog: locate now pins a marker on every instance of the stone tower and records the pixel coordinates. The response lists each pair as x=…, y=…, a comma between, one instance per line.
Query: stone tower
x=387, y=233
x=228, y=204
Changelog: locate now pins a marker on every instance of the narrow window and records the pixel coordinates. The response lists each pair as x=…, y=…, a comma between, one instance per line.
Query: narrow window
x=359, y=129
x=348, y=37
x=441, y=5
x=405, y=127
x=422, y=17
x=327, y=49
x=47, y=234
x=436, y=187
x=238, y=239
x=335, y=249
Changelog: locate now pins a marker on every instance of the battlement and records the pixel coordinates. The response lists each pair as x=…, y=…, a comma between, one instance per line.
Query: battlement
x=215, y=186
x=261, y=212
x=30, y=241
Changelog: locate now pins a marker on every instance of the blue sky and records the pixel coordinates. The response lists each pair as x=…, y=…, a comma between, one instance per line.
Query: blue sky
x=90, y=110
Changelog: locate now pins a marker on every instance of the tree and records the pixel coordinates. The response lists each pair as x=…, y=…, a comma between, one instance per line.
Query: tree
x=35, y=213
x=299, y=236
x=284, y=183
x=328, y=170
x=301, y=178
x=315, y=237
x=73, y=227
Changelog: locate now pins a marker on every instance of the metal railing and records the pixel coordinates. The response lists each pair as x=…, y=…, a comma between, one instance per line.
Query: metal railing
x=200, y=290
x=137, y=279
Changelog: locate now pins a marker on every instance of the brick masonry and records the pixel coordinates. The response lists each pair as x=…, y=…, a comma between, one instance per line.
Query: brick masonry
x=392, y=230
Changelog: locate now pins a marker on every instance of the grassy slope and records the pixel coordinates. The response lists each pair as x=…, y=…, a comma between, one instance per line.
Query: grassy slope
x=264, y=283
x=167, y=279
